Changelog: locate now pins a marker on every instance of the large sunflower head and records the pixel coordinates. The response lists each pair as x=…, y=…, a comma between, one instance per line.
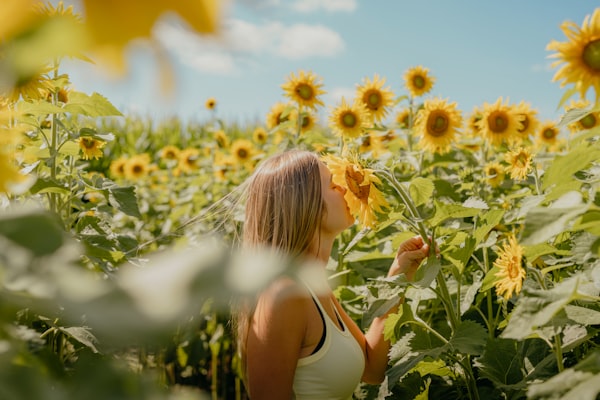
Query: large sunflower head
x=349, y=121
x=519, y=162
x=494, y=173
x=91, y=147
x=362, y=195
x=510, y=269
x=589, y=121
x=418, y=81
x=376, y=99
x=304, y=89
x=500, y=123
x=530, y=121
x=579, y=57
x=437, y=124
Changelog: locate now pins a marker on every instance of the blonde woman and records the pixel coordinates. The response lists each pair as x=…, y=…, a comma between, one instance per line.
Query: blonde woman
x=295, y=339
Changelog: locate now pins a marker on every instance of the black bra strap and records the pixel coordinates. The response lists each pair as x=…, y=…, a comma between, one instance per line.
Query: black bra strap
x=322, y=340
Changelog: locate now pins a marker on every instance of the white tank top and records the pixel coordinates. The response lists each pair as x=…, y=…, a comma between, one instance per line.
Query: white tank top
x=335, y=370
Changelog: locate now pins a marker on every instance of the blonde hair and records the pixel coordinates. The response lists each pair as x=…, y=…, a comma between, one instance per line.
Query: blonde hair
x=284, y=209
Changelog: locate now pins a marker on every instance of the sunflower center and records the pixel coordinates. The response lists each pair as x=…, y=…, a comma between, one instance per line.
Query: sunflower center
x=373, y=99
x=88, y=143
x=137, y=169
x=588, y=122
x=549, y=133
x=514, y=267
x=521, y=160
x=305, y=121
x=349, y=120
x=354, y=178
x=242, y=153
x=419, y=82
x=437, y=124
x=305, y=91
x=498, y=122
x=591, y=55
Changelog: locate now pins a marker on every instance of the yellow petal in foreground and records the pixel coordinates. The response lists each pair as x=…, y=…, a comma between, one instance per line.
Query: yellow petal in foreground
x=112, y=24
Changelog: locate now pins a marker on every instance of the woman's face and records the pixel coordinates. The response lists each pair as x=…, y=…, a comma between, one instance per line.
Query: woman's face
x=337, y=216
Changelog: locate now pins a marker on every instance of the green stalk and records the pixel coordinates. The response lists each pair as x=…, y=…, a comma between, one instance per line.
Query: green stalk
x=490, y=305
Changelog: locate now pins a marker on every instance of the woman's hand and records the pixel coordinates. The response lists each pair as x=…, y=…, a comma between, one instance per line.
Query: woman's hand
x=410, y=254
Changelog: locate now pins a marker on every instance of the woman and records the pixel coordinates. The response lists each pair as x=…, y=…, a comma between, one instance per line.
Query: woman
x=296, y=341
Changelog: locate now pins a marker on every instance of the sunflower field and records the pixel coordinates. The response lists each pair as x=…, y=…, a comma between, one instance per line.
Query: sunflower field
x=118, y=233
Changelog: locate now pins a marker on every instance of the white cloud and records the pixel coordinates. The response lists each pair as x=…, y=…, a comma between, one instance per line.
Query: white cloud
x=334, y=96
x=240, y=41
x=301, y=41
x=327, y=5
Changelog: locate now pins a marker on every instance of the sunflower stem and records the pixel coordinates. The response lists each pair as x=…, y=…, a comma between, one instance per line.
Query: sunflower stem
x=491, y=322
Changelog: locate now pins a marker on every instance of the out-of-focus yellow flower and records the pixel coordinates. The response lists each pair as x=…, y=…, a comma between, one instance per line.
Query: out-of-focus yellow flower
x=304, y=89
x=403, y=119
x=222, y=139
x=189, y=159
x=437, y=124
x=548, y=133
x=590, y=121
x=9, y=172
x=242, y=151
x=579, y=56
x=376, y=99
x=418, y=81
x=494, y=173
x=511, y=272
x=349, y=121
x=362, y=195
x=16, y=16
x=31, y=87
x=259, y=135
x=519, y=162
x=372, y=143
x=309, y=121
x=91, y=147
x=530, y=121
x=137, y=166
x=500, y=123
x=117, y=167
x=169, y=153
x=211, y=103
x=136, y=18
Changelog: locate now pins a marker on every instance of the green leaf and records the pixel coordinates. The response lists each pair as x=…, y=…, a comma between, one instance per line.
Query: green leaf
x=501, y=363
x=563, y=167
x=421, y=190
x=490, y=279
x=447, y=211
x=70, y=148
x=38, y=107
x=459, y=256
x=427, y=272
x=95, y=105
x=469, y=338
x=125, y=200
x=83, y=335
x=537, y=250
x=574, y=115
x=590, y=222
x=47, y=185
x=486, y=223
x=535, y=308
x=543, y=223
x=582, y=315
x=37, y=231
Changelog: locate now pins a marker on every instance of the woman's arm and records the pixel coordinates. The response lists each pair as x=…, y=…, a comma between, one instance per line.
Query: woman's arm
x=376, y=349
x=275, y=340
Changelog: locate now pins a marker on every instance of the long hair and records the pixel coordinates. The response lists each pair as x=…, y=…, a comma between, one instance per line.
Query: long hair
x=284, y=209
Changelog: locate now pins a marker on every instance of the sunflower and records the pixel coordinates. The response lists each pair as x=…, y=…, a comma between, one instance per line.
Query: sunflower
x=189, y=159
x=117, y=167
x=403, y=118
x=519, y=162
x=304, y=89
x=259, y=135
x=418, y=81
x=137, y=166
x=510, y=269
x=309, y=120
x=500, y=123
x=349, y=120
x=169, y=153
x=278, y=114
x=242, y=151
x=223, y=165
x=31, y=87
x=363, y=197
x=372, y=142
x=91, y=147
x=579, y=55
x=222, y=139
x=9, y=173
x=589, y=121
x=530, y=121
x=494, y=173
x=472, y=125
x=210, y=104
x=376, y=99
x=548, y=134
x=437, y=124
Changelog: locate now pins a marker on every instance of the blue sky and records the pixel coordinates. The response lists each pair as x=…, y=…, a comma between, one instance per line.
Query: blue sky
x=477, y=50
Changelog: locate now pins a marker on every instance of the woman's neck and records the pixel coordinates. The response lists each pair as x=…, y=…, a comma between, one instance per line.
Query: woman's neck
x=321, y=247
